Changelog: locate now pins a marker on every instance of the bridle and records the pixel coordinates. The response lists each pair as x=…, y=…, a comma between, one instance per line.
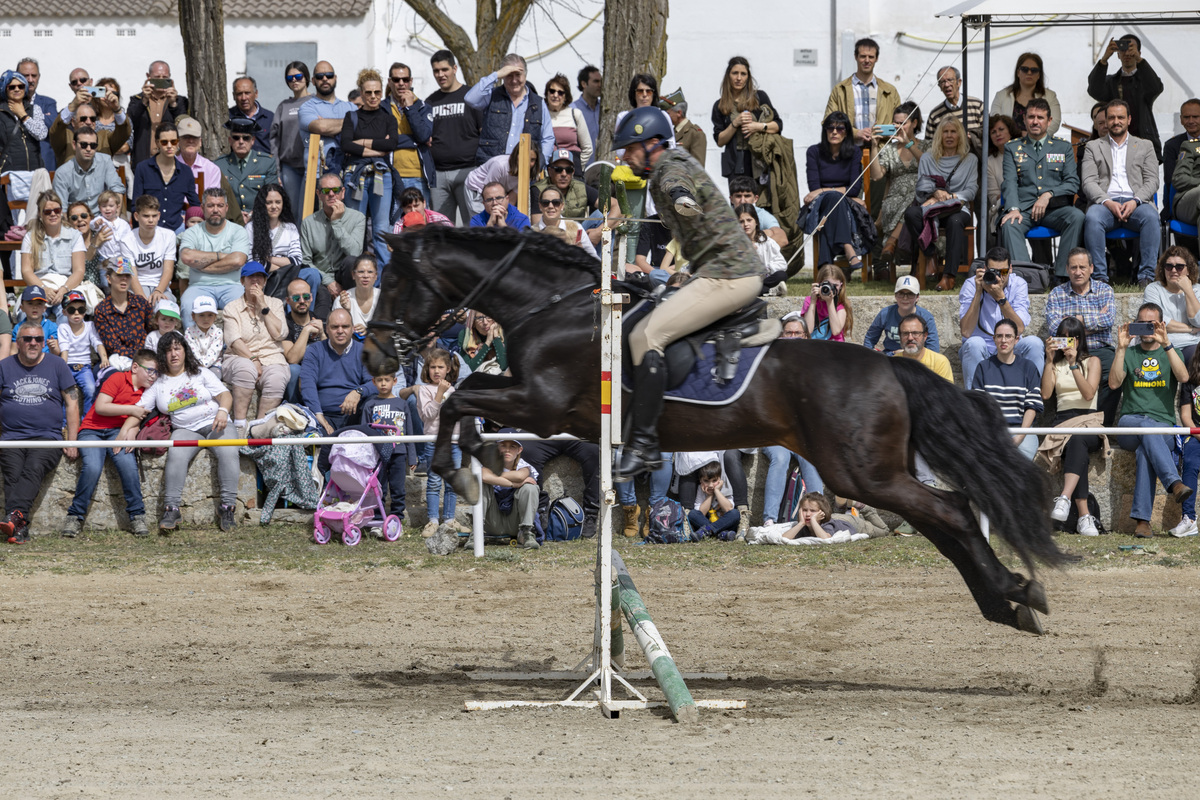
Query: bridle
x=402, y=335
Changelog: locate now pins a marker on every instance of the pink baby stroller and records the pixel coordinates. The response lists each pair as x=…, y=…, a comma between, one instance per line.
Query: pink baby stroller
x=353, y=499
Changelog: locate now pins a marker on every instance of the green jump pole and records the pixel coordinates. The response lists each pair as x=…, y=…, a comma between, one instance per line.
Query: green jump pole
x=617, y=639
x=679, y=699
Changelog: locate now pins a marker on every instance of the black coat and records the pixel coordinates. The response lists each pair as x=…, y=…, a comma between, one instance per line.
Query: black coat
x=1140, y=90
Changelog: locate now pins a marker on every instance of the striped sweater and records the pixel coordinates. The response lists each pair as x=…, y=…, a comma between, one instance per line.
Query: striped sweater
x=1016, y=386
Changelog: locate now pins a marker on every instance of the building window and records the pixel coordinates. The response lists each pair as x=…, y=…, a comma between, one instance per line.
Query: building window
x=84, y=33
x=43, y=33
x=126, y=33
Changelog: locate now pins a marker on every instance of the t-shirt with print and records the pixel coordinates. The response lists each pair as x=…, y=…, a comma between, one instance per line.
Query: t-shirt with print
x=231, y=239
x=189, y=399
x=149, y=258
x=31, y=398
x=385, y=411
x=455, y=130
x=1149, y=388
x=120, y=388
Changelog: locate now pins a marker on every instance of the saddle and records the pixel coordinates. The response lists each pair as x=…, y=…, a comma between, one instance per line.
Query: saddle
x=745, y=327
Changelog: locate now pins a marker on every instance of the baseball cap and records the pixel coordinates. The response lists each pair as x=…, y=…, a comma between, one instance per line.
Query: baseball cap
x=561, y=154
x=512, y=430
x=33, y=293
x=414, y=219
x=168, y=308
x=907, y=283
x=120, y=266
x=204, y=304
x=253, y=268
x=189, y=126
x=74, y=297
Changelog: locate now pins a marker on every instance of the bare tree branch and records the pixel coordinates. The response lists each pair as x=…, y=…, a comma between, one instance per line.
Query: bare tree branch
x=456, y=39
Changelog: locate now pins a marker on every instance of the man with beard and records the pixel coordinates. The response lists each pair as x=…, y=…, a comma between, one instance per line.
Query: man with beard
x=302, y=329
x=913, y=333
x=324, y=114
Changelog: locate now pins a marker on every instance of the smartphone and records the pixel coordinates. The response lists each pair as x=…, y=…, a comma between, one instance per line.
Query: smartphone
x=1141, y=329
x=97, y=91
x=162, y=83
x=1062, y=342
x=887, y=130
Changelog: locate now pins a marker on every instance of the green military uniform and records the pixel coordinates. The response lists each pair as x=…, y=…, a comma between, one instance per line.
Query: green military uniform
x=1186, y=180
x=1032, y=168
x=713, y=242
x=248, y=175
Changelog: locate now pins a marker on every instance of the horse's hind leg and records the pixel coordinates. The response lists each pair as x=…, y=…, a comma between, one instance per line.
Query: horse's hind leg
x=946, y=520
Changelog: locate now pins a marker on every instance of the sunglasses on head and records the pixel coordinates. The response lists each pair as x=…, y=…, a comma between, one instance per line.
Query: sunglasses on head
x=325, y=76
x=560, y=170
x=85, y=145
x=32, y=339
x=296, y=298
x=552, y=203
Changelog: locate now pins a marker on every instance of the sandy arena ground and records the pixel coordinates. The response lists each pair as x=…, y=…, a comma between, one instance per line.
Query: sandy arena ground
x=859, y=682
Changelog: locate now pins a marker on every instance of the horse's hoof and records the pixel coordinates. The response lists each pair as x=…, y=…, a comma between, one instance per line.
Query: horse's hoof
x=465, y=486
x=1028, y=620
x=1035, y=596
x=489, y=456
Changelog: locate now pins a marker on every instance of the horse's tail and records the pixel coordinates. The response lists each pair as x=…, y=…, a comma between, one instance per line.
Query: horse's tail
x=964, y=438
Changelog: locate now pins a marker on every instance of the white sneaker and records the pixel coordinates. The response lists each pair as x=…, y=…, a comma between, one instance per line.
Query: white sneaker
x=1186, y=527
x=1087, y=526
x=1062, y=509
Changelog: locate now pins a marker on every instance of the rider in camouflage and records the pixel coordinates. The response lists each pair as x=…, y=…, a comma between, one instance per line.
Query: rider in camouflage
x=726, y=271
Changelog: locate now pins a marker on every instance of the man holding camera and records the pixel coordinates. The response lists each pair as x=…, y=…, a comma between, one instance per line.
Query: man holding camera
x=1135, y=82
x=994, y=294
x=158, y=102
x=1148, y=374
x=1040, y=182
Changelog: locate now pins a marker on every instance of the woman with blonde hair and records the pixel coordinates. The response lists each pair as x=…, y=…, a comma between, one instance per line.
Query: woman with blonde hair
x=743, y=109
x=52, y=254
x=1029, y=81
x=948, y=179
x=368, y=145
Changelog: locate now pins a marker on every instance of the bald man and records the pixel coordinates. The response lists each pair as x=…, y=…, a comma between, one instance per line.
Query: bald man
x=333, y=378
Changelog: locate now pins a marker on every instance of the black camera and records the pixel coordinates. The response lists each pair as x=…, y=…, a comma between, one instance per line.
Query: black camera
x=990, y=277
x=1123, y=46
x=828, y=289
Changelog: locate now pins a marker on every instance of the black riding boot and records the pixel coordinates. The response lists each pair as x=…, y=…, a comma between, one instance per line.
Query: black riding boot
x=640, y=453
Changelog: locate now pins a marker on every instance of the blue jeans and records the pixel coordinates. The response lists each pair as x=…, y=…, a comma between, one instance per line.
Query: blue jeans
x=1154, y=459
x=1143, y=221
x=1191, y=470
x=223, y=293
x=419, y=183
x=378, y=207
x=85, y=379
x=660, y=482
x=292, y=180
x=1028, y=446
x=727, y=521
x=311, y=276
x=780, y=458
x=92, y=464
x=977, y=349
x=291, y=394
x=433, y=488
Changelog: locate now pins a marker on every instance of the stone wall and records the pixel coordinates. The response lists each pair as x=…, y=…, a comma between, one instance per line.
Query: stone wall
x=1111, y=481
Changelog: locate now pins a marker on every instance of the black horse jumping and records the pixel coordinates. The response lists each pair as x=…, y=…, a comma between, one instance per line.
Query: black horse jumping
x=858, y=416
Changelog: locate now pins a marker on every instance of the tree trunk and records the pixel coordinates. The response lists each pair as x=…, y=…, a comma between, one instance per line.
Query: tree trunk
x=494, y=31
x=202, y=26
x=635, y=40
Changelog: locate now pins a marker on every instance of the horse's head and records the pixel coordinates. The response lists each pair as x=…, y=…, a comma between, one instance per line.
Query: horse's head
x=410, y=302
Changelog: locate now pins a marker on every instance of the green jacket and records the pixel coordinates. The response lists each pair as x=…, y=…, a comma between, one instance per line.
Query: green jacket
x=1029, y=174
x=1187, y=169
x=248, y=177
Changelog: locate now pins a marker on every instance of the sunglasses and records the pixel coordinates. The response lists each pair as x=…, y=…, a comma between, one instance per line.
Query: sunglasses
x=325, y=76
x=552, y=203
x=168, y=143
x=242, y=137
x=401, y=80
x=78, y=81
x=85, y=118
x=560, y=170
x=15, y=87
x=835, y=128
x=1002, y=272
x=296, y=298
x=1029, y=70
x=76, y=310
x=1173, y=265
x=85, y=145
x=77, y=217
x=32, y=339
x=555, y=91
x=643, y=91
x=52, y=212
x=330, y=190
x=372, y=92
x=293, y=78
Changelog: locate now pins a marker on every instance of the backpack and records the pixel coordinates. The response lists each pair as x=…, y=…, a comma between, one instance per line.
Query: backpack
x=790, y=510
x=664, y=523
x=1068, y=525
x=566, y=520
x=155, y=427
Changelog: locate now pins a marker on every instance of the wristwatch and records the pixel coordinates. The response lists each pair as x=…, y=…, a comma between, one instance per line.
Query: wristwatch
x=266, y=311
x=1074, y=367
x=1002, y=301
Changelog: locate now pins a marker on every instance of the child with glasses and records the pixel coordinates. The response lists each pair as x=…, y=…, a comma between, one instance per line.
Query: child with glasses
x=204, y=337
x=77, y=338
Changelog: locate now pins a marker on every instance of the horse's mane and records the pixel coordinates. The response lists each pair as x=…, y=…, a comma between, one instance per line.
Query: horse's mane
x=543, y=245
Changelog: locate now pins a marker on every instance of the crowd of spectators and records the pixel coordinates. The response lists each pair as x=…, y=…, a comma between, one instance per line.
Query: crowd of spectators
x=218, y=292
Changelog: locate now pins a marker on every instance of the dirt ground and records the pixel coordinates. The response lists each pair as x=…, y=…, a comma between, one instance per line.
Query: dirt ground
x=858, y=681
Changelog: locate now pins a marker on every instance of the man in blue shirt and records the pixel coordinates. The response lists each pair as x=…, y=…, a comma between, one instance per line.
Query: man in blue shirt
x=245, y=106
x=333, y=378
x=884, y=333
x=590, y=83
x=994, y=294
x=324, y=114
x=497, y=213
x=515, y=103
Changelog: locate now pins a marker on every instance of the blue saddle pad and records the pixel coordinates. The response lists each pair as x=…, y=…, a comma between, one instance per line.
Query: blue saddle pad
x=701, y=388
